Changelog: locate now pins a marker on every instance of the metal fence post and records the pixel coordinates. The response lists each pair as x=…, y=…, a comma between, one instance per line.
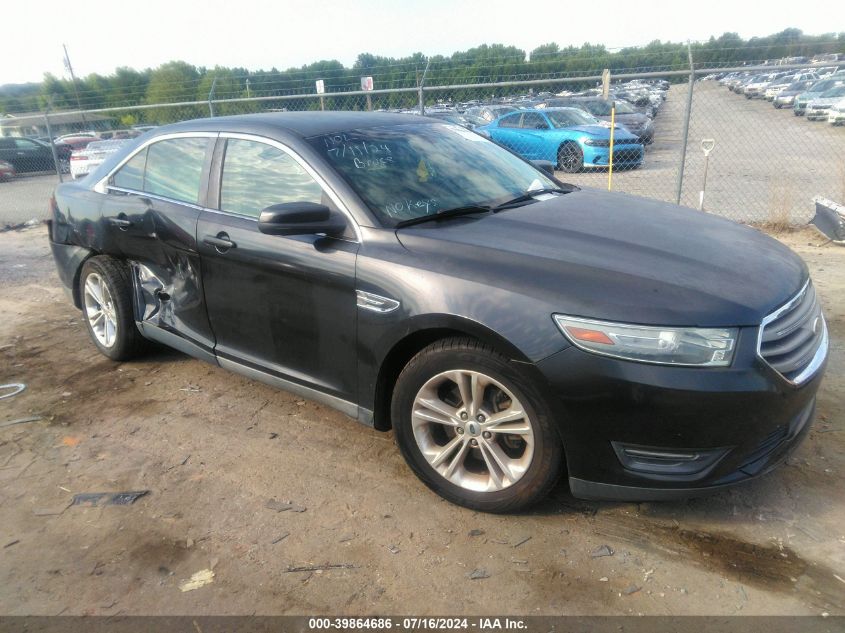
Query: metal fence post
x=211, y=97
x=680, y=182
x=53, y=146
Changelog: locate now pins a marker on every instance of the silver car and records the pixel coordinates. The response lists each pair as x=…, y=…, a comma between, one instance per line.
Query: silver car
x=84, y=161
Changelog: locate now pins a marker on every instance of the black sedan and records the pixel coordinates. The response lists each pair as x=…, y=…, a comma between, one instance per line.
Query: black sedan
x=29, y=155
x=416, y=276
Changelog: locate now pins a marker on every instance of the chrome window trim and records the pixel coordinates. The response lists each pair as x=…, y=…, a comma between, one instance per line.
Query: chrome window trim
x=147, y=194
x=821, y=353
x=102, y=185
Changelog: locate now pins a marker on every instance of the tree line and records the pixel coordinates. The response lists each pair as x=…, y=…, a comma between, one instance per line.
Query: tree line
x=178, y=81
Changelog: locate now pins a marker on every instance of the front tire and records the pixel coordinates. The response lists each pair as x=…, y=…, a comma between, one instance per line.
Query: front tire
x=570, y=158
x=105, y=289
x=474, y=429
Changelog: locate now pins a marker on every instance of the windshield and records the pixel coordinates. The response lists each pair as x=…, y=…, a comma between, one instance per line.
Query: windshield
x=839, y=91
x=624, y=108
x=403, y=172
x=821, y=86
x=570, y=117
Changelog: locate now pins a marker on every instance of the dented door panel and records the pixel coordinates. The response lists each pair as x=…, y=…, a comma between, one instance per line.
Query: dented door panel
x=158, y=238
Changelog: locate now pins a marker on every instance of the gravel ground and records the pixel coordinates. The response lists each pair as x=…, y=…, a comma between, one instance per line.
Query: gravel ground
x=213, y=449
x=766, y=167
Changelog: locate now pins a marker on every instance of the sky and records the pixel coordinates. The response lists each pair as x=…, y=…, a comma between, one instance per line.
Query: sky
x=257, y=34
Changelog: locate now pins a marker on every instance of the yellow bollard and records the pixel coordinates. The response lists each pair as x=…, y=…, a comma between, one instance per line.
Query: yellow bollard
x=610, y=158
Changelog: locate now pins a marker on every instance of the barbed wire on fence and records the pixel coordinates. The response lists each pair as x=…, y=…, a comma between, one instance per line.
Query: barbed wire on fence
x=765, y=167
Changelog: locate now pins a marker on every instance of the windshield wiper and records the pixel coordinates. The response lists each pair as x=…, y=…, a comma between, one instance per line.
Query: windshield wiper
x=447, y=213
x=528, y=195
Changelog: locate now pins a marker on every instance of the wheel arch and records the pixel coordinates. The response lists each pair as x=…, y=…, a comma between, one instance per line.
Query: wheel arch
x=423, y=331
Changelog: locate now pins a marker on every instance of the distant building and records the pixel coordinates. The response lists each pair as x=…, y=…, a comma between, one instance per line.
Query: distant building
x=33, y=124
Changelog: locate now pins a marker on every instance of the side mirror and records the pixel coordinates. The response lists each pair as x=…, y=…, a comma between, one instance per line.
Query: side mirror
x=300, y=218
x=545, y=166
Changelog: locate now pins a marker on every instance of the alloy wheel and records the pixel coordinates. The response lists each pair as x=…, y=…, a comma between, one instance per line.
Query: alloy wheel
x=100, y=310
x=472, y=430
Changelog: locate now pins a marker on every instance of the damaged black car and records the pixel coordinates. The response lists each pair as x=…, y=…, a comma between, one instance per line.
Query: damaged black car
x=410, y=273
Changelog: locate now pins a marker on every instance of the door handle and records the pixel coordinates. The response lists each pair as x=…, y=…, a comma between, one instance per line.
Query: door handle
x=120, y=222
x=220, y=242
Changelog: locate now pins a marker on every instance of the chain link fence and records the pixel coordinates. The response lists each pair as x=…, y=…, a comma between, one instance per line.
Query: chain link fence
x=764, y=162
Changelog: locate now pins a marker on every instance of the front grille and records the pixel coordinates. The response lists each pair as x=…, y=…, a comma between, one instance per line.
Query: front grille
x=792, y=334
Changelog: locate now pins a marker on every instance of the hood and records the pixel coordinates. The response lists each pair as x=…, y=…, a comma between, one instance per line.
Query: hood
x=826, y=101
x=618, y=257
x=600, y=131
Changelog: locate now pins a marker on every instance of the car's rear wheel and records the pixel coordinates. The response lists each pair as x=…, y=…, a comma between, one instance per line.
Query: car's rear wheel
x=778, y=106
x=570, y=158
x=106, y=292
x=474, y=429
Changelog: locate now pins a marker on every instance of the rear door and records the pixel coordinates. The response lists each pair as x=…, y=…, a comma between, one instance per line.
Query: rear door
x=532, y=139
x=507, y=132
x=154, y=202
x=283, y=305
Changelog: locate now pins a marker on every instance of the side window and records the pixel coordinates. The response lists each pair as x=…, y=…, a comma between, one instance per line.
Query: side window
x=534, y=121
x=510, y=121
x=7, y=143
x=257, y=175
x=22, y=143
x=174, y=168
x=131, y=175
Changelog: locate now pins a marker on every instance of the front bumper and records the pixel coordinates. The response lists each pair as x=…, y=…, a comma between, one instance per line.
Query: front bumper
x=817, y=114
x=623, y=155
x=744, y=421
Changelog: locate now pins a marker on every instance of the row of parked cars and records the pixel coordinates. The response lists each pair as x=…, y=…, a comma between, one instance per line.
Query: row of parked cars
x=78, y=153
x=818, y=94
x=570, y=130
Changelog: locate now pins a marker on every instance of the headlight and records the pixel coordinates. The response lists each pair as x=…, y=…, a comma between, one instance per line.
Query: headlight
x=596, y=142
x=702, y=347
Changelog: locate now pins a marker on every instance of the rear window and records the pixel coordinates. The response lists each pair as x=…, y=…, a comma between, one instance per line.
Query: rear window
x=174, y=168
x=131, y=175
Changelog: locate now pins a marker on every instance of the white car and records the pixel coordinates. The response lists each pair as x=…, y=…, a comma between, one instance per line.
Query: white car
x=818, y=108
x=84, y=161
x=836, y=114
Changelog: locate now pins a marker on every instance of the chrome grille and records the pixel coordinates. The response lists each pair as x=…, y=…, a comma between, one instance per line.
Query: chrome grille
x=792, y=336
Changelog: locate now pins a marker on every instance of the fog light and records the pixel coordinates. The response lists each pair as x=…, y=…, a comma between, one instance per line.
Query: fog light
x=668, y=462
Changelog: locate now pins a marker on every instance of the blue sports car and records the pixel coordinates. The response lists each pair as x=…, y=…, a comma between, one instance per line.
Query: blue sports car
x=568, y=137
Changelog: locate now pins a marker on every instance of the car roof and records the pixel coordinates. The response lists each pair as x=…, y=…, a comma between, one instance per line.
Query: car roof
x=302, y=124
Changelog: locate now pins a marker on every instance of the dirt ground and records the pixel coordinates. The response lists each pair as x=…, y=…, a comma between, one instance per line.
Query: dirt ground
x=213, y=448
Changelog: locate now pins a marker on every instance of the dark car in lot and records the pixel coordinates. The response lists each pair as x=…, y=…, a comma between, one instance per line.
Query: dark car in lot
x=416, y=276
x=637, y=123
x=29, y=155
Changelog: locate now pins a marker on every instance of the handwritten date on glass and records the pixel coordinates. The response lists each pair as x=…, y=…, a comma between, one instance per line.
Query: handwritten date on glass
x=362, y=154
x=402, y=208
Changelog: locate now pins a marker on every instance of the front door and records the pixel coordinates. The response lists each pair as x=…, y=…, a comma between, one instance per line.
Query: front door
x=283, y=305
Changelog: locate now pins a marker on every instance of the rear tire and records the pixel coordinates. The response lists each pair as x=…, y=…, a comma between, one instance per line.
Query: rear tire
x=444, y=410
x=570, y=158
x=105, y=290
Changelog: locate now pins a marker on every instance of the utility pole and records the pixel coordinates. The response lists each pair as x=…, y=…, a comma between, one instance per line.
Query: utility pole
x=421, y=87
x=73, y=81
x=247, y=87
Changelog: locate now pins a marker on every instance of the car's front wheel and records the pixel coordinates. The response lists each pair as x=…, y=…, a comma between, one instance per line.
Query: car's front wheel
x=106, y=292
x=474, y=429
x=570, y=158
